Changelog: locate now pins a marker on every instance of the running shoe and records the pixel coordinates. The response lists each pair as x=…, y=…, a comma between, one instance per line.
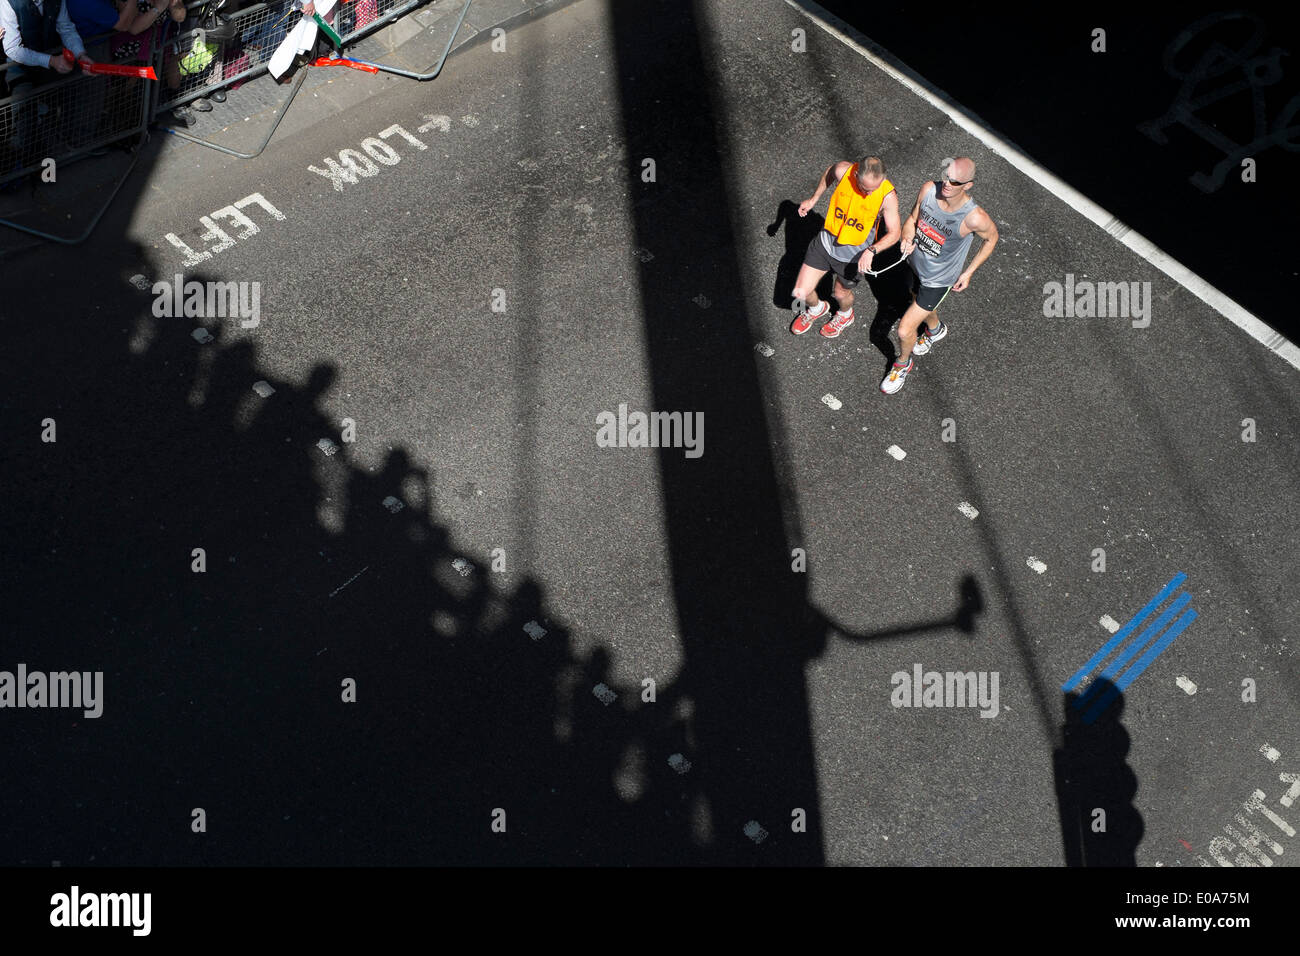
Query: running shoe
x=927, y=338
x=896, y=377
x=805, y=319
x=838, y=324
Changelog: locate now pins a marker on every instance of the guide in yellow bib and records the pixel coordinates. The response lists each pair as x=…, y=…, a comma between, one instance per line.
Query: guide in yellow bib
x=847, y=243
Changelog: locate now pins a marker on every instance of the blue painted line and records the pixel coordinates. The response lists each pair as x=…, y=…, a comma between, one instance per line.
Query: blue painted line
x=1123, y=632
x=1132, y=650
x=1143, y=663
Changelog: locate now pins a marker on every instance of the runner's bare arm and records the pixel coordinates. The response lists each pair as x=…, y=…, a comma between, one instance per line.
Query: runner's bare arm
x=978, y=222
x=909, y=227
x=889, y=210
x=893, y=228
x=829, y=178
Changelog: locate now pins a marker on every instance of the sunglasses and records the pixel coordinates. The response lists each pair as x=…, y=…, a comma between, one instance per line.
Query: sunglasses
x=953, y=182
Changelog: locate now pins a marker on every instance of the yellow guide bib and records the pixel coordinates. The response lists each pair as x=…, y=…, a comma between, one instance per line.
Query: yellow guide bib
x=852, y=215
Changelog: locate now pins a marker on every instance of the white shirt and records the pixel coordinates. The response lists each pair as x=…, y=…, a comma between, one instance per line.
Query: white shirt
x=13, y=41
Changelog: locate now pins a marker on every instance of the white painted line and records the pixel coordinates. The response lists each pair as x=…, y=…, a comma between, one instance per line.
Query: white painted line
x=755, y=831
x=679, y=763
x=885, y=61
x=1109, y=623
x=702, y=301
x=140, y=282
x=1289, y=798
x=894, y=450
x=349, y=581
x=1188, y=686
x=604, y=694
x=264, y=389
x=393, y=504
x=1037, y=565
x=435, y=121
x=1277, y=821
x=535, y=630
x=833, y=402
x=764, y=349
x=327, y=446
x=202, y=336
x=1270, y=752
x=463, y=566
x=968, y=509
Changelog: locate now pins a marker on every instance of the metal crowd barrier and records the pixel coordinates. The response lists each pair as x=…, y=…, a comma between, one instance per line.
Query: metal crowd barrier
x=358, y=18
x=66, y=118
x=188, y=72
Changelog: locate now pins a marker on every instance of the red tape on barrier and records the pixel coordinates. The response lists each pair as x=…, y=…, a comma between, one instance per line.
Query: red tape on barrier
x=332, y=61
x=112, y=69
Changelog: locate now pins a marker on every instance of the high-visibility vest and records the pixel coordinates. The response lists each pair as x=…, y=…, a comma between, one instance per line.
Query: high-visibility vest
x=852, y=215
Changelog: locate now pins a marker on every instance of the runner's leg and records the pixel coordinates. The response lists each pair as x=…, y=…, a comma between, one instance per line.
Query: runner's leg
x=907, y=327
x=805, y=285
x=843, y=295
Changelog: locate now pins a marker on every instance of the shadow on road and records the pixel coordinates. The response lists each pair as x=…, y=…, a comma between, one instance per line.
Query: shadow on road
x=1095, y=787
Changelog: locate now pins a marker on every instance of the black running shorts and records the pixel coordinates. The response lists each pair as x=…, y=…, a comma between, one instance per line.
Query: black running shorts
x=928, y=297
x=818, y=258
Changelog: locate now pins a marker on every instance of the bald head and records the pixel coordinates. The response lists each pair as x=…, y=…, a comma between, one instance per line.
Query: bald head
x=961, y=169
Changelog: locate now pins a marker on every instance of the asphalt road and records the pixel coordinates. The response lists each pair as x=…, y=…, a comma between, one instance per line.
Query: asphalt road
x=496, y=275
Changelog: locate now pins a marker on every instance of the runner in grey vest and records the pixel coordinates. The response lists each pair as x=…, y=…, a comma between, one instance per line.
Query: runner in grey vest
x=940, y=249
x=936, y=250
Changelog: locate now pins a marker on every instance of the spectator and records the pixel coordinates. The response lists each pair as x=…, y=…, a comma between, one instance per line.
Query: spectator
x=35, y=33
x=92, y=17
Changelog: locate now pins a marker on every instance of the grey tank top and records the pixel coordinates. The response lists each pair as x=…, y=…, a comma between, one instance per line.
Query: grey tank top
x=941, y=249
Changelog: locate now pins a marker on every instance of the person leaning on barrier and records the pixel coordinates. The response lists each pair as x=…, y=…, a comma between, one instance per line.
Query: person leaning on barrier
x=35, y=34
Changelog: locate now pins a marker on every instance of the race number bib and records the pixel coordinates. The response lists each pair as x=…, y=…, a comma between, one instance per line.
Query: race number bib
x=929, y=240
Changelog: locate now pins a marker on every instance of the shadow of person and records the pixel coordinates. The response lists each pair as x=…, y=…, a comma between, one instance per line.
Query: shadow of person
x=799, y=231
x=892, y=288
x=1095, y=786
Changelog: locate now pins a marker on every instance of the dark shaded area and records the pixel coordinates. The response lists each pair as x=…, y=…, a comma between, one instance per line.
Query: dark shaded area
x=1122, y=126
x=1092, y=773
x=747, y=629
